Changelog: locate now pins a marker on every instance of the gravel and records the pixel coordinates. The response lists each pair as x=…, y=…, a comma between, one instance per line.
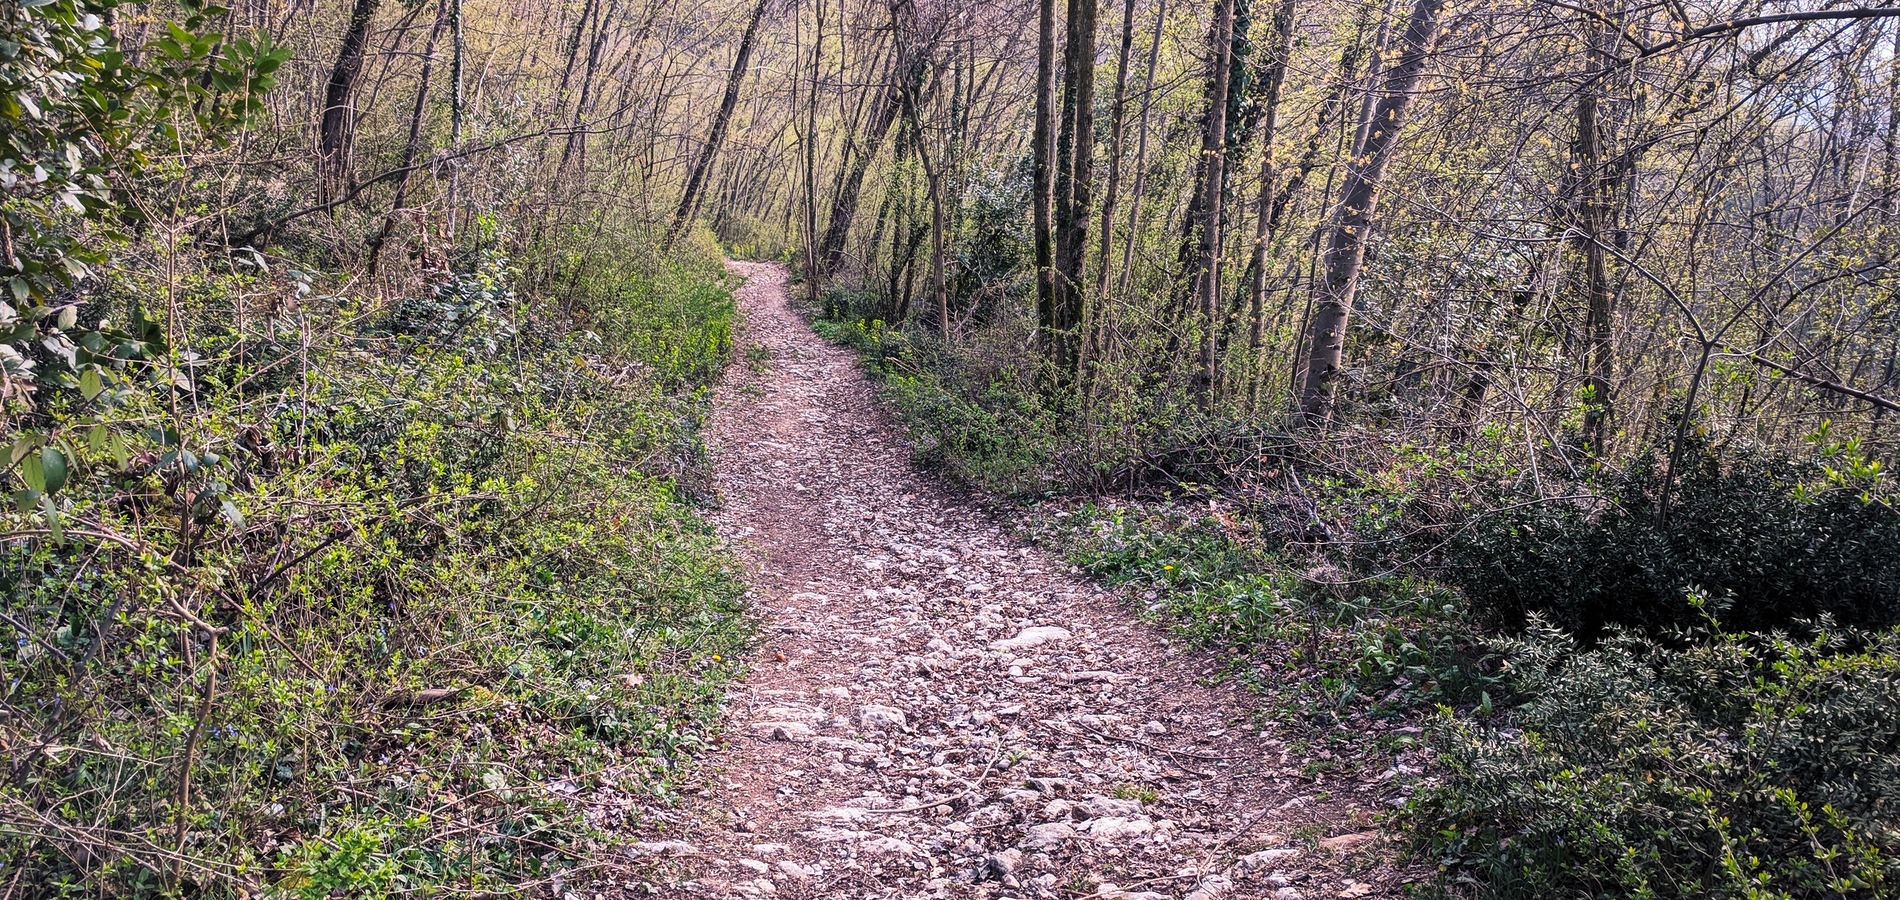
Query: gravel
x=940, y=710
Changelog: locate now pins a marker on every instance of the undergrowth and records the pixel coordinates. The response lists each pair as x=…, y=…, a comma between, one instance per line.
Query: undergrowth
x=1595, y=735
x=1738, y=765
x=315, y=595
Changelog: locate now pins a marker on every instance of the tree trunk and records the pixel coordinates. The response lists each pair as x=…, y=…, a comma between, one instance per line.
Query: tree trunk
x=1204, y=224
x=414, y=146
x=1141, y=150
x=337, y=126
x=696, y=179
x=1044, y=186
x=1593, y=219
x=458, y=105
x=811, y=148
x=1263, y=205
x=1358, y=202
x=576, y=147
x=1116, y=148
x=1890, y=140
x=1075, y=152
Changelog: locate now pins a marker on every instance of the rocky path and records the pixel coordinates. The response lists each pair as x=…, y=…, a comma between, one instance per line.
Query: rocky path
x=940, y=710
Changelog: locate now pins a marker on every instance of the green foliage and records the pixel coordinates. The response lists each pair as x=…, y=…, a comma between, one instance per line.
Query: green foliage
x=1775, y=537
x=79, y=123
x=1747, y=766
x=326, y=610
x=1333, y=644
x=988, y=432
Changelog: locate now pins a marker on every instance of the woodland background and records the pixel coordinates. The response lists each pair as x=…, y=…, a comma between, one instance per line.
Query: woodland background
x=1523, y=368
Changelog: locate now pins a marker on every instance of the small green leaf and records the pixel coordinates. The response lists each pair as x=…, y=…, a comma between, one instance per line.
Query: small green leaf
x=53, y=468
x=33, y=472
x=90, y=384
x=53, y=525
x=24, y=445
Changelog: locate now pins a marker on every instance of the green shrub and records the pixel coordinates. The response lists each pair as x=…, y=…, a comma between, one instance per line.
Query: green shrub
x=1329, y=648
x=1739, y=765
x=1751, y=528
x=324, y=609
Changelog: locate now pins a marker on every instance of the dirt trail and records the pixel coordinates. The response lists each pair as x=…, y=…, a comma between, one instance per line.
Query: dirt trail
x=940, y=710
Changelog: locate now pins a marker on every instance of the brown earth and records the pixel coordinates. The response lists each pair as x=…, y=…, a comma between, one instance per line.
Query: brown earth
x=939, y=709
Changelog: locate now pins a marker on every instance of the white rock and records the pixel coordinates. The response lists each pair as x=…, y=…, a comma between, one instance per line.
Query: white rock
x=1098, y=805
x=872, y=716
x=783, y=731
x=839, y=814
x=1048, y=834
x=757, y=887
x=794, y=714
x=753, y=865
x=1033, y=637
x=1005, y=862
x=662, y=848
x=1213, y=887
x=1118, y=827
x=890, y=845
x=1255, y=861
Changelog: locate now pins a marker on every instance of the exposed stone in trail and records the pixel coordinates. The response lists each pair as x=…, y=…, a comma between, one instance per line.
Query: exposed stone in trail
x=940, y=710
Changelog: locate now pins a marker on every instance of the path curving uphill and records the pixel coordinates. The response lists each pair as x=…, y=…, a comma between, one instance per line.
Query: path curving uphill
x=938, y=709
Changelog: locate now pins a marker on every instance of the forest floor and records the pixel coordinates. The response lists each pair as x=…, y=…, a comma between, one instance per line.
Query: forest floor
x=939, y=709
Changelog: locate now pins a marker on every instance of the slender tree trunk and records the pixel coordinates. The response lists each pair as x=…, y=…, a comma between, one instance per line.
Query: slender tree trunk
x=577, y=140
x=1591, y=222
x=1116, y=148
x=1358, y=203
x=414, y=146
x=1890, y=140
x=458, y=105
x=1141, y=151
x=696, y=180
x=1275, y=77
x=339, y=115
x=1044, y=186
x=811, y=149
x=1075, y=152
x=1204, y=229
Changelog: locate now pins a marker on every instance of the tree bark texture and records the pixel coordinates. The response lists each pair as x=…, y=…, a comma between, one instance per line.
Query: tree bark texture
x=1354, y=216
x=696, y=179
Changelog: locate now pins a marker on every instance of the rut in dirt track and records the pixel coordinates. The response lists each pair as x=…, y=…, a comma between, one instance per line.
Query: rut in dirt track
x=940, y=710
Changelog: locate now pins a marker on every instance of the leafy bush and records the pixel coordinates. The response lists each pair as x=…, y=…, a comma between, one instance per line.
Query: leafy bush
x=1336, y=648
x=1775, y=535
x=305, y=606
x=1754, y=766
x=987, y=432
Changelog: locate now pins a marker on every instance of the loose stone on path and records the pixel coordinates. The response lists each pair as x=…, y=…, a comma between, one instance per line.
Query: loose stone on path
x=939, y=711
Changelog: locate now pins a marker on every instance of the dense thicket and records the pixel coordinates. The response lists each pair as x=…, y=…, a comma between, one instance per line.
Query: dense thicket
x=350, y=411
